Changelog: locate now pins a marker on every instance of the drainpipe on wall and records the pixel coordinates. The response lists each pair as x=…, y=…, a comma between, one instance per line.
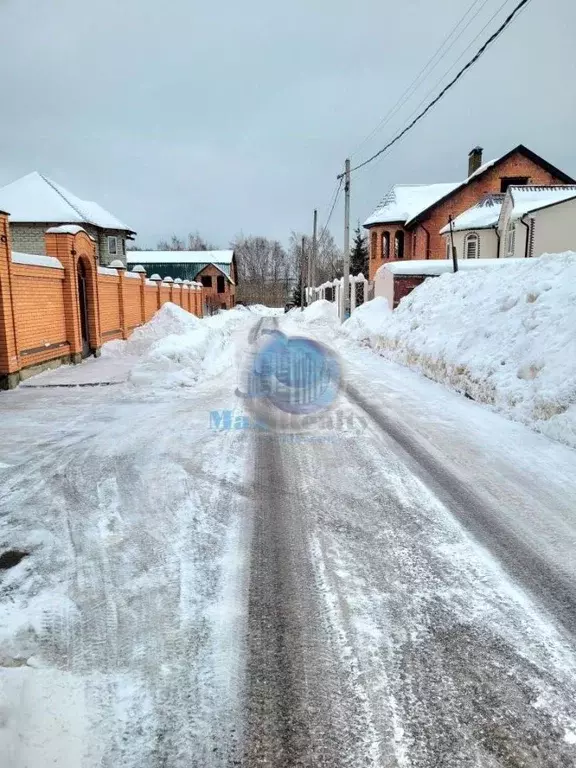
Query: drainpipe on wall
x=527, y=237
x=498, y=238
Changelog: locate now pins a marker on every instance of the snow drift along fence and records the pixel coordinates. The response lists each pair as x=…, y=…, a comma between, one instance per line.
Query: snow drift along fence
x=62, y=307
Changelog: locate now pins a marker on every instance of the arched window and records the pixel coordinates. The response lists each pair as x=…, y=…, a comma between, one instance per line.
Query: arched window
x=373, y=245
x=385, y=245
x=510, y=238
x=399, y=244
x=472, y=246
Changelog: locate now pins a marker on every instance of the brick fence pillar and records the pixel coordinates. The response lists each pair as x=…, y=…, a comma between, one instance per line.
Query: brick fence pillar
x=9, y=360
x=71, y=245
x=139, y=269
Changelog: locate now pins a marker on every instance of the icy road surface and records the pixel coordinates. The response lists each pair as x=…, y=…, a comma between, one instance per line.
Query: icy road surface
x=398, y=591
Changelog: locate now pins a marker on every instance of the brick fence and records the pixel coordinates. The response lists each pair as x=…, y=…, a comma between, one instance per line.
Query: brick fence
x=62, y=307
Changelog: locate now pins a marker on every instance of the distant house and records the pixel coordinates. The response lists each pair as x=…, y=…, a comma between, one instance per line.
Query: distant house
x=526, y=221
x=216, y=270
x=475, y=232
x=536, y=220
x=407, y=224
x=35, y=203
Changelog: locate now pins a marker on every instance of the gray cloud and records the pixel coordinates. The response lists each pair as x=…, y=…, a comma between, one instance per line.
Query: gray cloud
x=233, y=116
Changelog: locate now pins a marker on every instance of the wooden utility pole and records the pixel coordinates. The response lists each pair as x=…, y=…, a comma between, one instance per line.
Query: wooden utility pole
x=302, y=275
x=314, y=258
x=452, y=248
x=346, y=275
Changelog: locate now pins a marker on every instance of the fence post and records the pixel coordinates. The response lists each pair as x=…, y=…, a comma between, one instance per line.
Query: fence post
x=139, y=270
x=120, y=268
x=352, y=294
x=9, y=359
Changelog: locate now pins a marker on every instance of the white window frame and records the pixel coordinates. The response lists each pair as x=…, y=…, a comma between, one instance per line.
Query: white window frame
x=112, y=252
x=511, y=238
x=472, y=237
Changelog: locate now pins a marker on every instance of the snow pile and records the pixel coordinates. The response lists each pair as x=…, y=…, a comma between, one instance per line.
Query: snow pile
x=369, y=320
x=319, y=312
x=175, y=348
x=504, y=337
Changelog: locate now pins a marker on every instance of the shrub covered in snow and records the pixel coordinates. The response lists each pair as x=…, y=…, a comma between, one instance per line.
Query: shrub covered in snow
x=503, y=336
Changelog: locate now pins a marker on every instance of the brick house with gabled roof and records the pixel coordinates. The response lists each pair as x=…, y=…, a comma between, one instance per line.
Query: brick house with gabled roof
x=407, y=223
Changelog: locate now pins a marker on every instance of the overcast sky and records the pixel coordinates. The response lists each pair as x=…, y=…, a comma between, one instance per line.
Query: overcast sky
x=236, y=116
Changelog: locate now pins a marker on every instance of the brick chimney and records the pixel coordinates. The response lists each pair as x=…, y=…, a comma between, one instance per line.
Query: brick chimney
x=474, y=160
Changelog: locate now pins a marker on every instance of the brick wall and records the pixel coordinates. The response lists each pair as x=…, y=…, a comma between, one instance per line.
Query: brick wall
x=40, y=314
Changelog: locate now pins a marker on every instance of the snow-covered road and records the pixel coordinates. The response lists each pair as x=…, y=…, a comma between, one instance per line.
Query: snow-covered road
x=396, y=589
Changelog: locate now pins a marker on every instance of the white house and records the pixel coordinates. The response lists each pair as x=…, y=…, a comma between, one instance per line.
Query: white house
x=475, y=232
x=536, y=220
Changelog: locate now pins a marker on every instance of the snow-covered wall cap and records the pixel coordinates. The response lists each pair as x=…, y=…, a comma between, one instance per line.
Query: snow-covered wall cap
x=67, y=229
x=34, y=260
x=439, y=266
x=168, y=279
x=186, y=282
x=139, y=268
x=178, y=280
x=156, y=278
x=117, y=264
x=107, y=271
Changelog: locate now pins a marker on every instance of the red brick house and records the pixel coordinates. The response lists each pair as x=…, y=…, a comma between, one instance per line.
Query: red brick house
x=216, y=270
x=407, y=224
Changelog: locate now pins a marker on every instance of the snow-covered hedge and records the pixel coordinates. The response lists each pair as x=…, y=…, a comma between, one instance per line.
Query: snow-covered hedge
x=506, y=337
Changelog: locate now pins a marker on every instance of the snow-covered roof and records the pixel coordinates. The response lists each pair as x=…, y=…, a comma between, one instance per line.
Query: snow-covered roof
x=179, y=257
x=66, y=229
x=35, y=198
x=438, y=266
x=529, y=198
x=35, y=260
x=405, y=201
x=481, y=216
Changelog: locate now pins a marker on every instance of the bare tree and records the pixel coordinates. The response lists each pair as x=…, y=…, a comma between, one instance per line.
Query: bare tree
x=194, y=242
x=264, y=270
x=329, y=260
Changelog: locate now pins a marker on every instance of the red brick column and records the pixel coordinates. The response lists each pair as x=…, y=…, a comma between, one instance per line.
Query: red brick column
x=139, y=269
x=69, y=245
x=9, y=362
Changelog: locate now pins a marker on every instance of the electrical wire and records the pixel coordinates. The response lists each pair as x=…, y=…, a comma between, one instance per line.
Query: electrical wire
x=424, y=72
x=448, y=87
x=333, y=206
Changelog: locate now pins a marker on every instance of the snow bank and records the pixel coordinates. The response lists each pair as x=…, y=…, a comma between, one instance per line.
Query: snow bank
x=505, y=337
x=369, y=320
x=175, y=348
x=321, y=311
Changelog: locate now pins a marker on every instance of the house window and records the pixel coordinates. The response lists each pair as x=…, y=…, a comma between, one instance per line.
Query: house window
x=207, y=281
x=513, y=181
x=373, y=243
x=385, y=245
x=220, y=285
x=113, y=246
x=510, y=238
x=123, y=246
x=472, y=246
x=399, y=244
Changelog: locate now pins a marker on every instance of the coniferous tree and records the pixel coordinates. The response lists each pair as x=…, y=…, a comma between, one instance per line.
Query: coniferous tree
x=359, y=254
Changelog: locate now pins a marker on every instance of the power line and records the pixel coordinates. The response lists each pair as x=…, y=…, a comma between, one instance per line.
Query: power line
x=334, y=201
x=445, y=90
x=425, y=71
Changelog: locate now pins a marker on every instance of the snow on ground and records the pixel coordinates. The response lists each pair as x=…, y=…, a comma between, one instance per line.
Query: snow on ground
x=369, y=320
x=503, y=337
